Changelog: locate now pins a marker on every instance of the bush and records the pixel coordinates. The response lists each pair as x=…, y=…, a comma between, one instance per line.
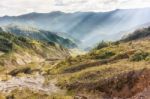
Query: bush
x=26, y=70
x=5, y=45
x=105, y=55
x=102, y=45
x=145, y=32
x=148, y=58
x=138, y=56
x=116, y=43
x=8, y=40
x=52, y=43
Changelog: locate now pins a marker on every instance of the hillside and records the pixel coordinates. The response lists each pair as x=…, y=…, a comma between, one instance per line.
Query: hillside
x=138, y=34
x=37, y=34
x=88, y=27
x=18, y=50
x=119, y=69
x=113, y=69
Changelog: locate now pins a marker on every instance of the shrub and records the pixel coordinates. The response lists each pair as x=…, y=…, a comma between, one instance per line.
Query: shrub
x=102, y=45
x=5, y=45
x=116, y=43
x=26, y=70
x=105, y=55
x=145, y=32
x=52, y=43
x=138, y=56
x=148, y=58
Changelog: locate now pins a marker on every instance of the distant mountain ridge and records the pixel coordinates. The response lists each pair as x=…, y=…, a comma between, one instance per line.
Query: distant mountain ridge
x=34, y=33
x=87, y=27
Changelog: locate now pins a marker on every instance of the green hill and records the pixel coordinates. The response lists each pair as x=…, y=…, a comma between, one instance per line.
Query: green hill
x=18, y=50
x=37, y=34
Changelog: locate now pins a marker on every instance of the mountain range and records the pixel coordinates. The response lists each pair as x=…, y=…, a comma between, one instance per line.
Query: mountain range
x=86, y=27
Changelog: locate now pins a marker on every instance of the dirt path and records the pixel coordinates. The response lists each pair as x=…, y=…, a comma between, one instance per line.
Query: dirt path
x=33, y=83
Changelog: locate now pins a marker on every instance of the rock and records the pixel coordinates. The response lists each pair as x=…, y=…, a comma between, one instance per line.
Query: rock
x=80, y=97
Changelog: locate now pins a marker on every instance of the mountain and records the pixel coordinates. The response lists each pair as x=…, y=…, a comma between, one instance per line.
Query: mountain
x=31, y=68
x=18, y=50
x=87, y=27
x=31, y=32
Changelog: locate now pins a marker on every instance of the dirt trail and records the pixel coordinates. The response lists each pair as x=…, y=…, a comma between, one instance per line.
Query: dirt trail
x=33, y=83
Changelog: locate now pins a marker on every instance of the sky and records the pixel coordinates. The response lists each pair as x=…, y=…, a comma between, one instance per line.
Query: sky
x=18, y=7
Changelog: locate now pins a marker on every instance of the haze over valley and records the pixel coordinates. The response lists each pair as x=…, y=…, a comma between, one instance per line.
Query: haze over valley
x=86, y=27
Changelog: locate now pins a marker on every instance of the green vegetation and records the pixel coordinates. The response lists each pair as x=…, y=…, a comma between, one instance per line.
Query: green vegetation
x=8, y=41
x=102, y=45
x=5, y=45
x=37, y=34
x=138, y=34
x=138, y=56
x=19, y=50
x=105, y=55
x=26, y=70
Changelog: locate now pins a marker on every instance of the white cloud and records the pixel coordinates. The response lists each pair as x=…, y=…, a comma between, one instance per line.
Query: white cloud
x=17, y=7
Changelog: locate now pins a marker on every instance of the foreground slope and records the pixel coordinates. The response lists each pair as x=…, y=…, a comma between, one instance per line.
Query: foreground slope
x=22, y=62
x=118, y=69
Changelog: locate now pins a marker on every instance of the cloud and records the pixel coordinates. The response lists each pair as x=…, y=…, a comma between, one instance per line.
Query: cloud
x=17, y=7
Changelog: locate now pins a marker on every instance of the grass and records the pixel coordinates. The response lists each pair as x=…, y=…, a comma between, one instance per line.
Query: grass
x=129, y=50
x=103, y=72
x=96, y=70
x=97, y=79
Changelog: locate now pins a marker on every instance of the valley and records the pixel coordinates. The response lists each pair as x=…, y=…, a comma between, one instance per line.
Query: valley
x=74, y=49
x=33, y=69
x=53, y=52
